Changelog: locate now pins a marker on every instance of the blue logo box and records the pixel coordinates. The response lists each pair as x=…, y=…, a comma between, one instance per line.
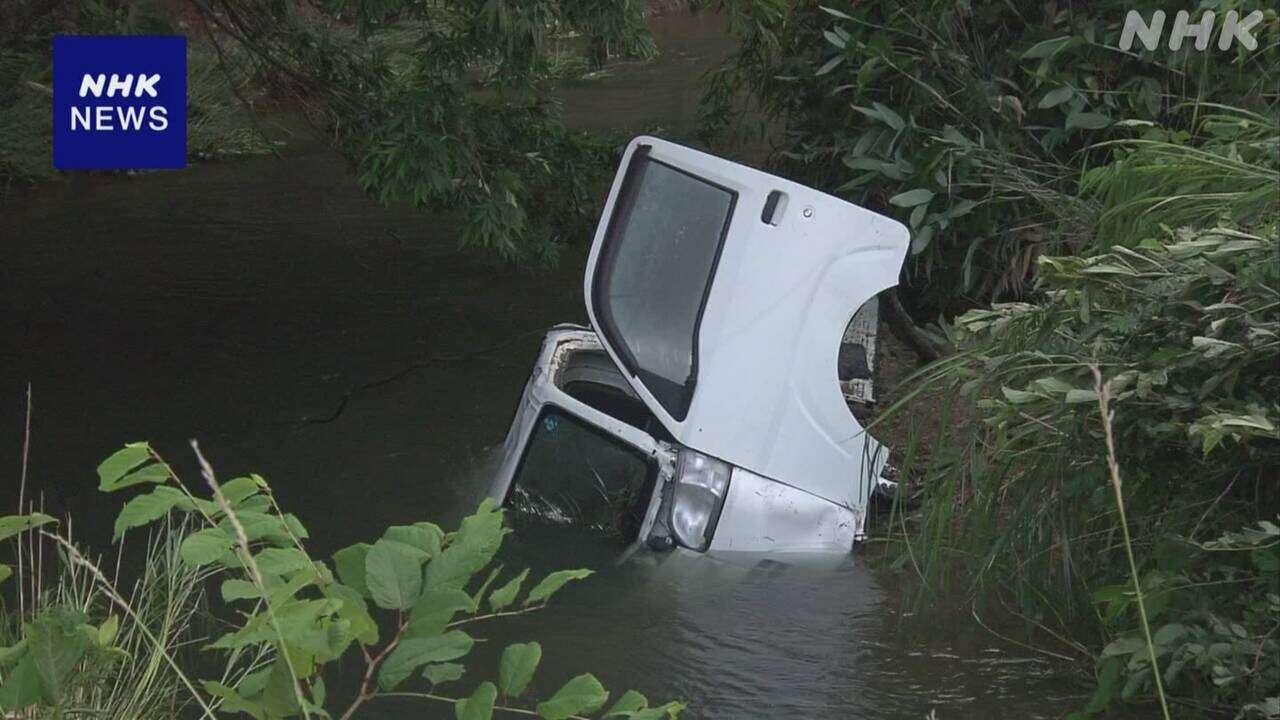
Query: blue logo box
x=119, y=101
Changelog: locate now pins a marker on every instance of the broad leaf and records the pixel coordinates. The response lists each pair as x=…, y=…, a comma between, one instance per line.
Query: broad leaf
x=1055, y=97
x=631, y=701
x=435, y=609
x=350, y=564
x=393, y=571
x=473, y=547
x=552, y=583
x=21, y=686
x=148, y=508
x=1087, y=121
x=205, y=546
x=11, y=525
x=281, y=561
x=515, y=670
x=479, y=706
x=424, y=535
x=355, y=612
x=580, y=696
x=441, y=673
x=235, y=589
x=120, y=463
x=413, y=653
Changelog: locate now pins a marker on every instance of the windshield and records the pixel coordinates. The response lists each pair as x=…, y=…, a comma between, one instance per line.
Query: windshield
x=575, y=474
x=655, y=269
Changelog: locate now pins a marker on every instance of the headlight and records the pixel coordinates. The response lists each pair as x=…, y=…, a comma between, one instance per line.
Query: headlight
x=701, y=483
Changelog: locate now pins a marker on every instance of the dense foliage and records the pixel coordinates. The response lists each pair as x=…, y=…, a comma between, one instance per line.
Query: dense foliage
x=404, y=604
x=969, y=121
x=1089, y=208
x=217, y=124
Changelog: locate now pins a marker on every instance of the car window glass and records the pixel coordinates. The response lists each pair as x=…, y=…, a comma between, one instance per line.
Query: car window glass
x=656, y=267
x=573, y=473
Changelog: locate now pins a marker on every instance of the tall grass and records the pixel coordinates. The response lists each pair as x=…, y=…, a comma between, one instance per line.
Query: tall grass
x=164, y=619
x=1176, y=302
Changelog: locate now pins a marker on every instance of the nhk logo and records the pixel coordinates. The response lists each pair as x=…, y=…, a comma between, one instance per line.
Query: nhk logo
x=119, y=101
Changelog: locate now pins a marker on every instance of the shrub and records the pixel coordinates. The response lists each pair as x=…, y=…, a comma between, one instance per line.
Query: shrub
x=403, y=604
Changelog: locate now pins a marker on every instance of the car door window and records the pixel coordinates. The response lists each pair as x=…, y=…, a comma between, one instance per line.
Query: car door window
x=655, y=270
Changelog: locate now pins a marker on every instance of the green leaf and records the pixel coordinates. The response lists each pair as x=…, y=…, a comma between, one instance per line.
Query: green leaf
x=829, y=65
x=413, y=653
x=107, y=630
x=393, y=571
x=205, y=546
x=552, y=583
x=1079, y=395
x=1046, y=48
x=435, y=609
x=912, y=198
x=1124, y=646
x=235, y=589
x=630, y=702
x=350, y=564
x=237, y=490
x=5, y=572
x=56, y=646
x=281, y=561
x=582, y=695
x=424, y=536
x=232, y=702
x=1019, y=397
x=21, y=686
x=515, y=670
x=120, y=463
x=355, y=612
x=479, y=706
x=1055, y=97
x=148, y=508
x=9, y=654
x=11, y=525
x=473, y=547
x=441, y=673
x=506, y=594
x=1087, y=120
x=920, y=240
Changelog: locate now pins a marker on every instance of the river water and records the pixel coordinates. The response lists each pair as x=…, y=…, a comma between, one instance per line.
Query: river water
x=240, y=302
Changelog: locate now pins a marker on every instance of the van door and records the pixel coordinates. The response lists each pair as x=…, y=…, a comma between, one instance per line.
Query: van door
x=723, y=293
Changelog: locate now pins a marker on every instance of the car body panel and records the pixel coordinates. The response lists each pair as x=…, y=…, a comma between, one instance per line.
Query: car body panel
x=765, y=390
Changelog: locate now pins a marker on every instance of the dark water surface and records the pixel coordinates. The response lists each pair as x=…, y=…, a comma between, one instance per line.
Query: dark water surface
x=230, y=301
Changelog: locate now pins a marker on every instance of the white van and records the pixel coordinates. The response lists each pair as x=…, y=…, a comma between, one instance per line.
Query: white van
x=703, y=408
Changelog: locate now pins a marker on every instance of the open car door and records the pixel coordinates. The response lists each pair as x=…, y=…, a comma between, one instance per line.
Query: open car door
x=723, y=292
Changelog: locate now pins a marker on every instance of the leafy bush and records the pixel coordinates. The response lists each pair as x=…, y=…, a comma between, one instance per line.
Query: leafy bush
x=447, y=104
x=400, y=603
x=971, y=122
x=1186, y=327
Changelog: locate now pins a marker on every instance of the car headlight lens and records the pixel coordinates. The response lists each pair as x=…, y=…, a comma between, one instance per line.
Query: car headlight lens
x=701, y=484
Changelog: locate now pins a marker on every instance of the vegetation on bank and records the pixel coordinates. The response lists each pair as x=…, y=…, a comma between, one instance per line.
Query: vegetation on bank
x=403, y=607
x=1075, y=209
x=218, y=124
x=443, y=105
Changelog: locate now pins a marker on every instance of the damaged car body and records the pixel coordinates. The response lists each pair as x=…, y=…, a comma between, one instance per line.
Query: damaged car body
x=703, y=408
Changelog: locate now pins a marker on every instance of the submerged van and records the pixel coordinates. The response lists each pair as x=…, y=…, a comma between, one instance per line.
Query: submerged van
x=703, y=407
